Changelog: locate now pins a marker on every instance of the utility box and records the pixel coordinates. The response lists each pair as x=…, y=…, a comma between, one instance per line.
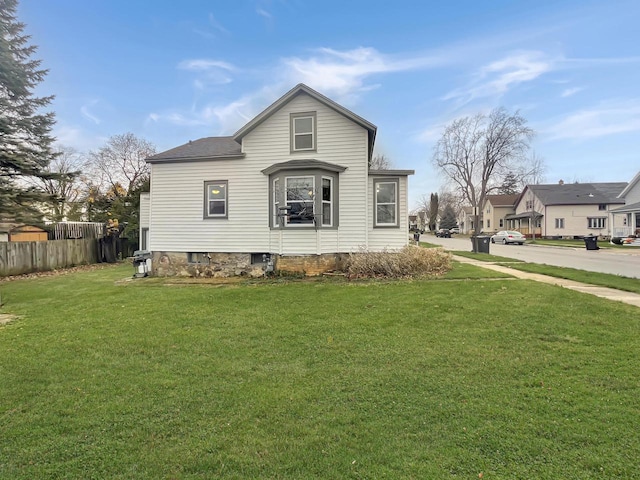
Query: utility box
x=142, y=263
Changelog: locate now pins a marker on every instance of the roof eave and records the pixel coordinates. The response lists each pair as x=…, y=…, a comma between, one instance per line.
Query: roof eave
x=391, y=173
x=192, y=159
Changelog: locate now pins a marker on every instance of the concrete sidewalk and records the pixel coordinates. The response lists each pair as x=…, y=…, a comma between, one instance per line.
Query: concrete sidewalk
x=603, y=292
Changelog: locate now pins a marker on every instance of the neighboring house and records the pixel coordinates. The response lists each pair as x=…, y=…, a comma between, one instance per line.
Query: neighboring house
x=465, y=220
x=495, y=210
x=292, y=189
x=625, y=220
x=566, y=210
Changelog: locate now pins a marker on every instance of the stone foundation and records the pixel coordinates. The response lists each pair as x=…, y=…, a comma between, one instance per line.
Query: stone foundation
x=170, y=264
x=311, y=265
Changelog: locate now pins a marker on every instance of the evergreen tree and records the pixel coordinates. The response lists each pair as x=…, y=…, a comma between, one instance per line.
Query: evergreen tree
x=448, y=219
x=25, y=132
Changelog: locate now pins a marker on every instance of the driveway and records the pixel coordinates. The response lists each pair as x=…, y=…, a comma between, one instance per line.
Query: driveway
x=614, y=261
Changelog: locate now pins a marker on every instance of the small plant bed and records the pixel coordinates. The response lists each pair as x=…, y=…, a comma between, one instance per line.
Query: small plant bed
x=484, y=257
x=592, y=278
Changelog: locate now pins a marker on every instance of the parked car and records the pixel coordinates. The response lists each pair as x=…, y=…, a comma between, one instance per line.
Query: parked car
x=443, y=233
x=455, y=230
x=508, y=236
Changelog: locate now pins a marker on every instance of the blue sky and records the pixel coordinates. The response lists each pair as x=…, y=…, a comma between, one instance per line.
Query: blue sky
x=173, y=71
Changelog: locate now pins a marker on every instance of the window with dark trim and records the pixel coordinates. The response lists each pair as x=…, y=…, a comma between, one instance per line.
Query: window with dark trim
x=303, y=131
x=216, y=199
x=305, y=198
x=300, y=200
x=602, y=206
x=385, y=202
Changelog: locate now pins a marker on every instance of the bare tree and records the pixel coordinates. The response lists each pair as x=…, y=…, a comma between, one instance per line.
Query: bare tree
x=121, y=162
x=63, y=188
x=380, y=162
x=534, y=170
x=476, y=153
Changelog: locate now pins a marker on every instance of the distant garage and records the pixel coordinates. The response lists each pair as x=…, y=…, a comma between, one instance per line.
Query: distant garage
x=11, y=232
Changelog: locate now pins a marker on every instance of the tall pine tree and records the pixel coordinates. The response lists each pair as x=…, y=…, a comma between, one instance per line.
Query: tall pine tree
x=25, y=131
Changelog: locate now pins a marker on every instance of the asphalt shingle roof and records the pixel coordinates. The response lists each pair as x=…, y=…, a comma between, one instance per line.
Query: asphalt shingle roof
x=579, y=193
x=209, y=147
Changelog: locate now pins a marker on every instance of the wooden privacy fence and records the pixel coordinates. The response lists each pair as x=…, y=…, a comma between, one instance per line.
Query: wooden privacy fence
x=27, y=257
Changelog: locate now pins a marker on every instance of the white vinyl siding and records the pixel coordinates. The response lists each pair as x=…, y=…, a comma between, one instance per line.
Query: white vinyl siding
x=389, y=238
x=177, y=194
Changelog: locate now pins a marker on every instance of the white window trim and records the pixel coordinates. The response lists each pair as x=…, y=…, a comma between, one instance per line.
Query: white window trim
x=559, y=223
x=276, y=203
x=294, y=133
x=312, y=201
x=396, y=184
x=207, y=184
x=329, y=202
x=596, y=223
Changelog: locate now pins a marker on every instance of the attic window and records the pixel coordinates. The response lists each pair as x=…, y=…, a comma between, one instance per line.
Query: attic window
x=303, y=131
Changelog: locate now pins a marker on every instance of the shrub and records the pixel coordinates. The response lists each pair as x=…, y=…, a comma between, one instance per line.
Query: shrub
x=411, y=261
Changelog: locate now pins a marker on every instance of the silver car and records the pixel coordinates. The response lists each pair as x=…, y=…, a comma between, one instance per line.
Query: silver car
x=508, y=236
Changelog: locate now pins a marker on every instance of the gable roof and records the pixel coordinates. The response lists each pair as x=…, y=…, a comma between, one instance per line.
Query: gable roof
x=631, y=184
x=503, y=200
x=578, y=193
x=299, y=89
x=204, y=148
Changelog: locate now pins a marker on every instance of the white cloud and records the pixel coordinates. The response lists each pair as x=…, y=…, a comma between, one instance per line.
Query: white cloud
x=217, y=25
x=496, y=78
x=571, y=91
x=209, y=72
x=86, y=113
x=608, y=118
x=263, y=13
x=343, y=73
x=205, y=64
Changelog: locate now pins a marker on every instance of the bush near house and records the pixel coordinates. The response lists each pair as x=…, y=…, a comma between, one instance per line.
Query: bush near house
x=411, y=261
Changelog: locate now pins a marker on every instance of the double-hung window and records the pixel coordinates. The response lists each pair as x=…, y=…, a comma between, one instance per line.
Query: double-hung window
x=327, y=201
x=216, y=199
x=559, y=223
x=300, y=195
x=385, y=203
x=303, y=131
x=276, y=202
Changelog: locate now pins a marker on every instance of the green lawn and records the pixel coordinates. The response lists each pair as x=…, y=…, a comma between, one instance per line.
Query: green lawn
x=484, y=257
x=316, y=379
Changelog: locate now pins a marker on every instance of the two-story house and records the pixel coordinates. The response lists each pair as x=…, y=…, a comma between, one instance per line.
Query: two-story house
x=291, y=190
x=495, y=210
x=566, y=209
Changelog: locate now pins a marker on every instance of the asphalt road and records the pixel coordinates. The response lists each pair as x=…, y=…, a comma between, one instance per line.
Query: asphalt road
x=614, y=261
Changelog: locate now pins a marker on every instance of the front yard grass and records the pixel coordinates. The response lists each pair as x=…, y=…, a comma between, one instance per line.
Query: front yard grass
x=484, y=257
x=593, y=278
x=324, y=379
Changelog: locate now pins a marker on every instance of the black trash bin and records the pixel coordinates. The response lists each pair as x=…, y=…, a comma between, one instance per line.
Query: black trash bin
x=481, y=243
x=591, y=242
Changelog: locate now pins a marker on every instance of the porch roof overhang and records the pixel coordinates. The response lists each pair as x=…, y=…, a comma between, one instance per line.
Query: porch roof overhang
x=519, y=216
x=631, y=208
